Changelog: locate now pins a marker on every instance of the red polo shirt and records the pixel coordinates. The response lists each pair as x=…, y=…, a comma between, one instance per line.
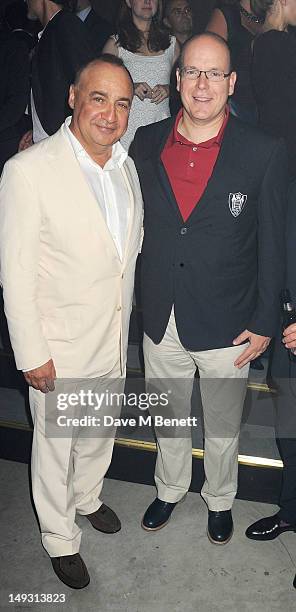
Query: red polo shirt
x=189, y=166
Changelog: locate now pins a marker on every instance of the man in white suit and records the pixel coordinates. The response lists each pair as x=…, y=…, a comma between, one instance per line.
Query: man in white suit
x=70, y=223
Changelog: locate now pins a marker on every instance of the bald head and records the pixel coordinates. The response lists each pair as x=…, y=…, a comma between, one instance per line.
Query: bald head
x=206, y=41
x=204, y=98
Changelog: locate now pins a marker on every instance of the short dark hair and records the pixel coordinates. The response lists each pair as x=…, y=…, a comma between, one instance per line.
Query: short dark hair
x=106, y=58
x=210, y=35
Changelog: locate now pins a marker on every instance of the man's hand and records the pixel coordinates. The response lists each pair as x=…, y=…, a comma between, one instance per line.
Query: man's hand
x=160, y=93
x=258, y=344
x=142, y=90
x=42, y=378
x=289, y=336
x=26, y=141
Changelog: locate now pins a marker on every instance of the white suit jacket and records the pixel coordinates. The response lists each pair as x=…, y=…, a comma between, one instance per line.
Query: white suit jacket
x=67, y=294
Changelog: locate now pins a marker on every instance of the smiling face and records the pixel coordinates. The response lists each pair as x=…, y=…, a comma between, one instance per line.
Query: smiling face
x=204, y=101
x=101, y=101
x=143, y=9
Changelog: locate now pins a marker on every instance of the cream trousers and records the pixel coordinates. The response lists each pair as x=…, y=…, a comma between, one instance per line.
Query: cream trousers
x=223, y=389
x=68, y=472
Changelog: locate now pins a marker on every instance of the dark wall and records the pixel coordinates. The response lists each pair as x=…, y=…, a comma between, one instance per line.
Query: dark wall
x=106, y=8
x=201, y=13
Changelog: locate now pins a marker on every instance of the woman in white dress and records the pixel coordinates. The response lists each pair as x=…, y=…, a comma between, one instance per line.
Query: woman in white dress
x=149, y=53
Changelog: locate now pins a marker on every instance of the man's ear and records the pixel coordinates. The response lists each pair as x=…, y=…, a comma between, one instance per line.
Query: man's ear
x=166, y=22
x=71, y=99
x=232, y=81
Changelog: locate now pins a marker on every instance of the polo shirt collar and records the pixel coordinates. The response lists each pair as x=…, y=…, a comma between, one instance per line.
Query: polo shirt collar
x=216, y=140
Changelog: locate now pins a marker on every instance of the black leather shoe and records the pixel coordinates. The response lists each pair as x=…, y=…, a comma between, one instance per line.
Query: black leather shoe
x=157, y=515
x=71, y=570
x=105, y=520
x=220, y=526
x=268, y=528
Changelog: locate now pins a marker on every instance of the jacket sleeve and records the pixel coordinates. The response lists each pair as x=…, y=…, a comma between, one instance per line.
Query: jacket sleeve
x=271, y=243
x=99, y=29
x=20, y=223
x=75, y=46
x=17, y=87
x=291, y=242
x=134, y=147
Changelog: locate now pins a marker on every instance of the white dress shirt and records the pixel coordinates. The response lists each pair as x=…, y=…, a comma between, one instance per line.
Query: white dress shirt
x=109, y=187
x=38, y=132
x=84, y=13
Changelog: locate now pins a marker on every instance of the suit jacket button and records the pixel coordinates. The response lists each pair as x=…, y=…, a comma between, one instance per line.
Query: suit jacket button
x=183, y=231
x=181, y=265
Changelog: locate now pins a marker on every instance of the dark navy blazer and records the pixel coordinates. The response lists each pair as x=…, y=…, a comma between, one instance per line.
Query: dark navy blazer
x=223, y=268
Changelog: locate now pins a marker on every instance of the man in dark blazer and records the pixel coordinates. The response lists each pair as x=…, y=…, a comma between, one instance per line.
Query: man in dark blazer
x=14, y=93
x=283, y=371
x=98, y=28
x=64, y=46
x=212, y=270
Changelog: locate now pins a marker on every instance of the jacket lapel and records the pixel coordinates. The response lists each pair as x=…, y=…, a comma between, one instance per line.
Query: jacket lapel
x=230, y=149
x=68, y=168
x=161, y=171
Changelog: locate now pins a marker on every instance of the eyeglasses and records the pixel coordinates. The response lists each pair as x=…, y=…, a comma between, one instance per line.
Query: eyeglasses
x=212, y=75
x=179, y=11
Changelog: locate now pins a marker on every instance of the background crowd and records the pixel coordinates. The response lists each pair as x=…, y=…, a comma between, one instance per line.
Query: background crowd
x=149, y=46
x=42, y=43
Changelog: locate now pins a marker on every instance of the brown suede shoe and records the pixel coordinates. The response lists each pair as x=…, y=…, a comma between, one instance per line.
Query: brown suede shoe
x=71, y=570
x=105, y=520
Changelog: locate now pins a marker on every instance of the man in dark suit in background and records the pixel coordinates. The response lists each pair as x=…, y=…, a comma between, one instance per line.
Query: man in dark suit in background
x=14, y=93
x=14, y=97
x=178, y=18
x=16, y=20
x=99, y=29
x=64, y=47
x=212, y=270
x=283, y=371
x=106, y=9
